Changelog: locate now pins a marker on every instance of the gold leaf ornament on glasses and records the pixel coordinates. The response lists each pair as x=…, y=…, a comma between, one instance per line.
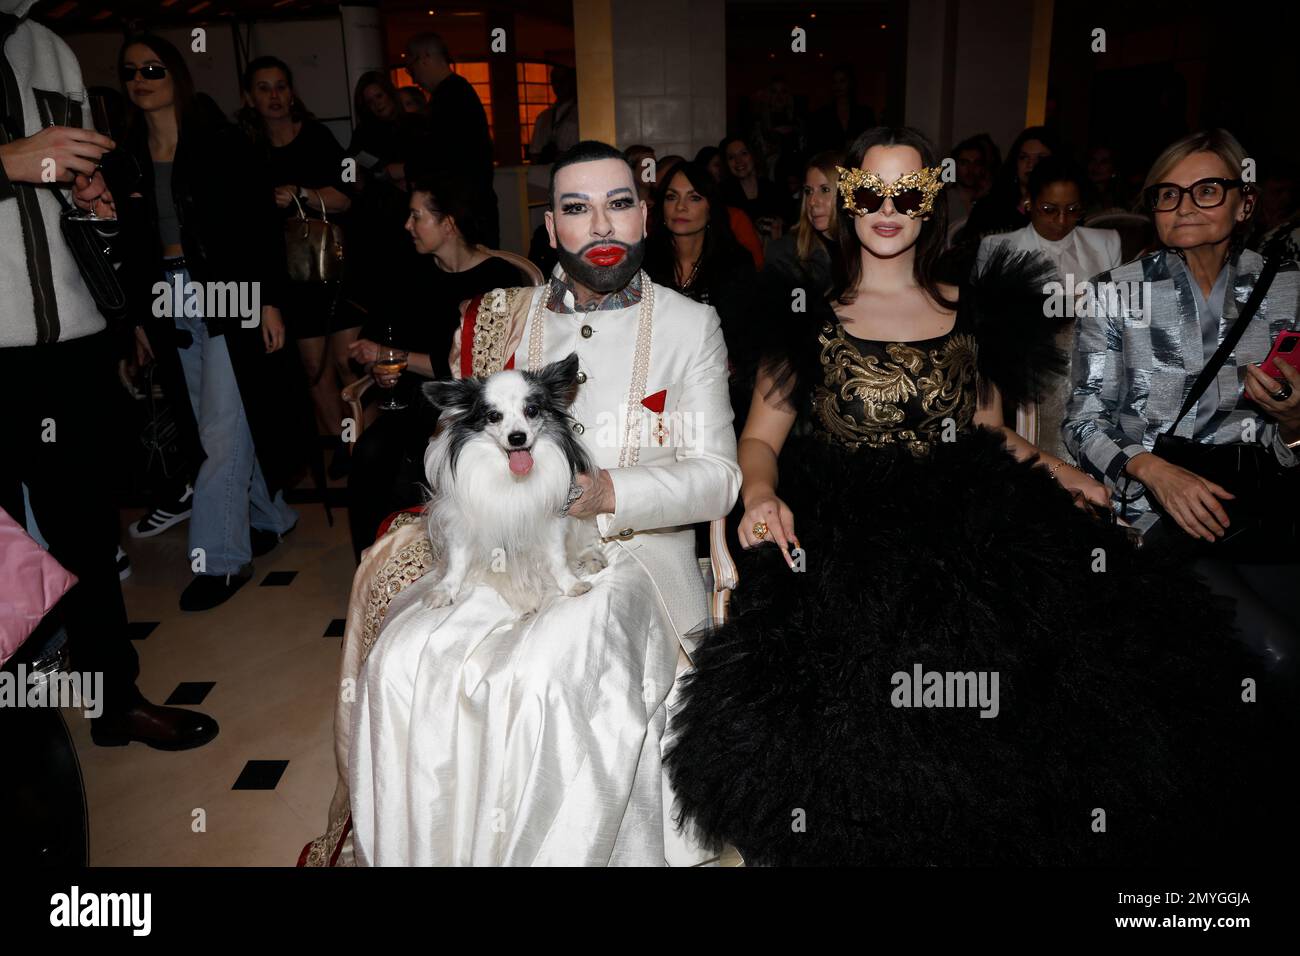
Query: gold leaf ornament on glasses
x=913, y=194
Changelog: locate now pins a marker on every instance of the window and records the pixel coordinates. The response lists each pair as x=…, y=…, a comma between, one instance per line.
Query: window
x=535, y=95
x=533, y=82
x=476, y=73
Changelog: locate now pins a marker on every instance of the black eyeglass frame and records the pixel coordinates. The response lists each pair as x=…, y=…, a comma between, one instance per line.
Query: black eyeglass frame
x=1151, y=192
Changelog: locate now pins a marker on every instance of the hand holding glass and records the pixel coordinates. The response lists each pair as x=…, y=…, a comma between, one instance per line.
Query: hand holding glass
x=390, y=363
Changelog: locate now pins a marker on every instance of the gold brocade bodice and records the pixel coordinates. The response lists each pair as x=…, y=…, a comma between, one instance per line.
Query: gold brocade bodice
x=890, y=394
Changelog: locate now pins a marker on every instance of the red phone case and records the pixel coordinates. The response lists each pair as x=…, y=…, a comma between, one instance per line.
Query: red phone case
x=1289, y=339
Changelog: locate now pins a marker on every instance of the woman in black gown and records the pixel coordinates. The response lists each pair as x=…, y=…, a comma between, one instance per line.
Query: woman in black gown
x=916, y=533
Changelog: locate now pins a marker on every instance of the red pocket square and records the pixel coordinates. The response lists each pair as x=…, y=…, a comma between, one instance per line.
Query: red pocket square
x=655, y=402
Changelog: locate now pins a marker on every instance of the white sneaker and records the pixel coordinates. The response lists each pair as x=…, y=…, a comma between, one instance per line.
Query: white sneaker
x=164, y=516
x=123, y=564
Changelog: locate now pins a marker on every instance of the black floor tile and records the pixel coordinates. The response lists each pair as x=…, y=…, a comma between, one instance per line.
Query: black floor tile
x=279, y=579
x=336, y=628
x=190, y=693
x=260, y=775
x=139, y=630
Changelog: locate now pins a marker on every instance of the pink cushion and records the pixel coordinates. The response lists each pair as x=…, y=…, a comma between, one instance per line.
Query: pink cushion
x=31, y=582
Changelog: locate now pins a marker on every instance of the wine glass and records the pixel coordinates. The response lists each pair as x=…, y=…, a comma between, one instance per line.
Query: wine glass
x=101, y=116
x=390, y=361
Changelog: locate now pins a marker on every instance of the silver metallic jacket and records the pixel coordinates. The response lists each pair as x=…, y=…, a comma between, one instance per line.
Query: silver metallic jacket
x=1137, y=353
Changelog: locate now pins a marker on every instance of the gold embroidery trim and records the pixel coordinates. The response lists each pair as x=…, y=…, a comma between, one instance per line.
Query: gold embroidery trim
x=492, y=331
x=884, y=387
x=404, y=568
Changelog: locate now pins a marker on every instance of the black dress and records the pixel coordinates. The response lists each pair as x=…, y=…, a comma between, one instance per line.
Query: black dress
x=314, y=160
x=388, y=461
x=1117, y=732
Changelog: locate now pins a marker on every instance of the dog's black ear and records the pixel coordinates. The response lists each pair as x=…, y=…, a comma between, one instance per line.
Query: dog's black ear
x=452, y=394
x=560, y=379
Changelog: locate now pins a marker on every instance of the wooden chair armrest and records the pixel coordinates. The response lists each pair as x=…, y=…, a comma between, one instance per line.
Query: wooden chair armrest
x=725, y=574
x=1027, y=422
x=351, y=395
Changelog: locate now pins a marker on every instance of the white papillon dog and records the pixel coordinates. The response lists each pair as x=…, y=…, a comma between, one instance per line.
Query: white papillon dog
x=502, y=470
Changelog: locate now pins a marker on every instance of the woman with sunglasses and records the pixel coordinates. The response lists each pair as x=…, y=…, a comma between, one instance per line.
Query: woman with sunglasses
x=932, y=570
x=1135, y=368
x=201, y=214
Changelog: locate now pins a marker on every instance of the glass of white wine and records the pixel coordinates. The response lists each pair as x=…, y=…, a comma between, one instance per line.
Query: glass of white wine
x=391, y=361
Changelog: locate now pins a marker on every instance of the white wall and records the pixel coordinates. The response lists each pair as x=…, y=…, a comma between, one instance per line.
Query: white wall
x=984, y=87
x=992, y=88
x=312, y=48
x=670, y=78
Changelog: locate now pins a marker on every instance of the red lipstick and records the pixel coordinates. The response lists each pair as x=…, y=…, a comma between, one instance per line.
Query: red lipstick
x=606, y=255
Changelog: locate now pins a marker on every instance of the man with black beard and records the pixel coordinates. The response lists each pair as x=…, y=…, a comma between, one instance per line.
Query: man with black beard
x=481, y=737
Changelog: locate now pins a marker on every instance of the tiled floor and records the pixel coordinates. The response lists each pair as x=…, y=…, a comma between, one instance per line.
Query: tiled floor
x=264, y=665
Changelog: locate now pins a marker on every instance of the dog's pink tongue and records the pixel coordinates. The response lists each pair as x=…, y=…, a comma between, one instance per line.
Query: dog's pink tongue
x=521, y=462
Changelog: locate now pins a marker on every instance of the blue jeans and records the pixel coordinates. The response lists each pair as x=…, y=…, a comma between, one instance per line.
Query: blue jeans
x=230, y=493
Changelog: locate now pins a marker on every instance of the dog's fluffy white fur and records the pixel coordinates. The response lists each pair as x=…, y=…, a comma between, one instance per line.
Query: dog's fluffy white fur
x=491, y=525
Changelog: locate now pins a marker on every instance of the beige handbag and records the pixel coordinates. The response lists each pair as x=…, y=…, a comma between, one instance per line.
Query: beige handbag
x=313, y=247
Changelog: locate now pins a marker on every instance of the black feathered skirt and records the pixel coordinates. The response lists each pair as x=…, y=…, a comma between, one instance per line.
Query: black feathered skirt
x=820, y=724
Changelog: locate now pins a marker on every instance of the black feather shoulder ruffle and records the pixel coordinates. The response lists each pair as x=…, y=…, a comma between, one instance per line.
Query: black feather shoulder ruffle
x=1006, y=303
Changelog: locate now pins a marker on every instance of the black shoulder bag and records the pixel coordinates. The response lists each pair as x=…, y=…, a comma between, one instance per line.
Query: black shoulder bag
x=92, y=251
x=1258, y=531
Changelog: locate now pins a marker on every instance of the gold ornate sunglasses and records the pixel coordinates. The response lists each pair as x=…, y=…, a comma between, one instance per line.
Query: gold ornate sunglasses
x=913, y=194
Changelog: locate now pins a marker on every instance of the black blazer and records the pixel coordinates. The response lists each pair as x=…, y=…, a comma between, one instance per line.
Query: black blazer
x=230, y=228
x=230, y=232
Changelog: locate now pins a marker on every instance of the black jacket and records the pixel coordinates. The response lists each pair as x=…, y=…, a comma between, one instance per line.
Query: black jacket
x=230, y=232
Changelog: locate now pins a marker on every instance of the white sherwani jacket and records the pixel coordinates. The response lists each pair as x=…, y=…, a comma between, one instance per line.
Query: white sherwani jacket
x=481, y=739
x=693, y=475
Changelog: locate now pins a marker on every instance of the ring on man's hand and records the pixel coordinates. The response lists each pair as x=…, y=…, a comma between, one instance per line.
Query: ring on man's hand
x=1283, y=393
x=760, y=529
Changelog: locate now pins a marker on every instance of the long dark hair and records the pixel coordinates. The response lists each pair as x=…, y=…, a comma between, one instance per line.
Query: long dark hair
x=1006, y=182
x=934, y=230
x=720, y=245
x=250, y=121
x=184, y=102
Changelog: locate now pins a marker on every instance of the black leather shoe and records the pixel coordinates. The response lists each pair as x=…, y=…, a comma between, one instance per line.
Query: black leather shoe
x=163, y=728
x=208, y=590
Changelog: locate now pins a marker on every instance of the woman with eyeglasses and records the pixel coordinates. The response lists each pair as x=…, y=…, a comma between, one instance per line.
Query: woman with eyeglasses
x=1056, y=190
x=204, y=264
x=942, y=660
x=1138, y=359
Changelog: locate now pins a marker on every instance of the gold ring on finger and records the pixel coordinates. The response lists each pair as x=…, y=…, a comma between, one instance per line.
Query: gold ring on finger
x=760, y=529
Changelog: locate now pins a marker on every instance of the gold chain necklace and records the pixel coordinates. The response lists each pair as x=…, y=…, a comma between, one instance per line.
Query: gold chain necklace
x=630, y=449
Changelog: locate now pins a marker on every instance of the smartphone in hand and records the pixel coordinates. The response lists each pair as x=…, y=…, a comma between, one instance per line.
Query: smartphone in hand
x=1285, y=349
